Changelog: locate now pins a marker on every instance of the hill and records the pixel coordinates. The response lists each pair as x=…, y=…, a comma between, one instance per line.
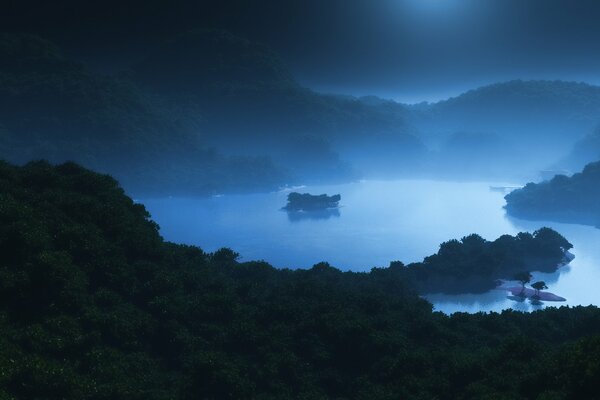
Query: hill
x=53, y=108
x=208, y=112
x=584, y=151
x=512, y=107
x=574, y=199
x=249, y=102
x=533, y=123
x=95, y=305
x=204, y=112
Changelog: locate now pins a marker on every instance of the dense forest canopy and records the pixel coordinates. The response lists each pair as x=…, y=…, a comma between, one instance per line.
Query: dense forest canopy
x=55, y=109
x=95, y=305
x=107, y=106
x=207, y=112
x=474, y=264
x=309, y=202
x=157, y=135
x=574, y=199
x=534, y=124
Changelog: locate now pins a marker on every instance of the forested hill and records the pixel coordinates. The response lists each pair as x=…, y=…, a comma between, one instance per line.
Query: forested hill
x=518, y=104
x=208, y=112
x=574, y=199
x=225, y=75
x=55, y=109
x=154, y=125
x=511, y=129
x=250, y=102
x=95, y=305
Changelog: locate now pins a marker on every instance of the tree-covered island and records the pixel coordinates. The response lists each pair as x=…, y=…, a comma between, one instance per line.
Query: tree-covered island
x=309, y=202
x=474, y=264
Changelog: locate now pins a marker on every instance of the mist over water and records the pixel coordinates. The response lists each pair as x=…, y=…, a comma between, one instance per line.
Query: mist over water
x=378, y=222
x=332, y=199
x=198, y=109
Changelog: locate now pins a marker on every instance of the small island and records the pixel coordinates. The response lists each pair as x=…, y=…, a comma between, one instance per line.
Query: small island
x=308, y=202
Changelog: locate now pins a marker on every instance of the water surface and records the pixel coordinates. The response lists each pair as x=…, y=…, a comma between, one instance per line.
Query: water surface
x=378, y=222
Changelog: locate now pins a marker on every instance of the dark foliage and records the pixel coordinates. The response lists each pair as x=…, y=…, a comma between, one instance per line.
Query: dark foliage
x=155, y=127
x=519, y=104
x=474, y=264
x=511, y=129
x=307, y=201
x=95, y=305
x=55, y=109
x=250, y=101
x=574, y=199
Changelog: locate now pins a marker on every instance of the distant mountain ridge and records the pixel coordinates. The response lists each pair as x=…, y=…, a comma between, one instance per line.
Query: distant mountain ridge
x=538, y=122
x=54, y=108
x=158, y=122
x=520, y=87
x=570, y=103
x=210, y=112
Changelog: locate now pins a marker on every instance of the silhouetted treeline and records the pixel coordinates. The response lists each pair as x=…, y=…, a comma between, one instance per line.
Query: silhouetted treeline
x=95, y=305
x=251, y=103
x=474, y=264
x=510, y=129
x=207, y=112
x=204, y=112
x=574, y=199
x=308, y=202
x=55, y=109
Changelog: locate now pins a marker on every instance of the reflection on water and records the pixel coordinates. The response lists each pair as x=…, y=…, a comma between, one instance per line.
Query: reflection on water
x=295, y=216
x=553, y=277
x=575, y=281
x=494, y=300
x=518, y=299
x=380, y=222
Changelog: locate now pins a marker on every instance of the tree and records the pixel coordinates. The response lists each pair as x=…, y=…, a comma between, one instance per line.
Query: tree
x=540, y=285
x=523, y=277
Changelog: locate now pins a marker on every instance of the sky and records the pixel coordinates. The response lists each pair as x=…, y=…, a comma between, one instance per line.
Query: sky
x=409, y=50
x=415, y=50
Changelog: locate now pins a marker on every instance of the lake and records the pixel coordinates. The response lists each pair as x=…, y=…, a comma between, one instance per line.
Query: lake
x=378, y=222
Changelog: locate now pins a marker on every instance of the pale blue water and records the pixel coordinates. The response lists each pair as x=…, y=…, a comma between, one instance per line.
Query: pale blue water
x=379, y=221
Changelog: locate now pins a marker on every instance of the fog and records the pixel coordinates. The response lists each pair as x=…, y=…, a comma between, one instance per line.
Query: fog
x=410, y=50
x=312, y=199
x=377, y=222
x=217, y=110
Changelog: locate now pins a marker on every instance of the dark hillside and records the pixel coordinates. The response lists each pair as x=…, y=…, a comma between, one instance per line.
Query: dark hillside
x=548, y=117
x=249, y=102
x=155, y=127
x=55, y=109
x=95, y=305
x=513, y=107
x=573, y=199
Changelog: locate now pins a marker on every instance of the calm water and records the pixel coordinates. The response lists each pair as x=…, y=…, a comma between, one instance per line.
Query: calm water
x=377, y=222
